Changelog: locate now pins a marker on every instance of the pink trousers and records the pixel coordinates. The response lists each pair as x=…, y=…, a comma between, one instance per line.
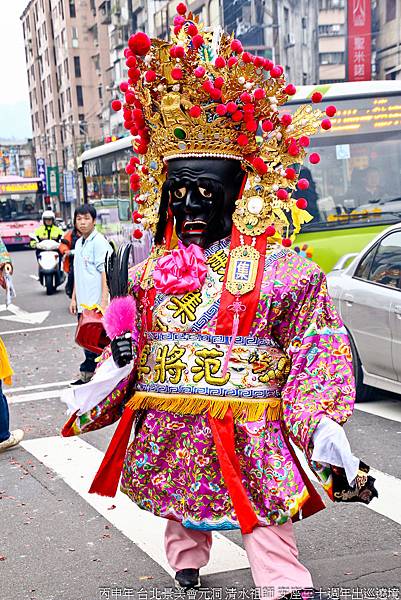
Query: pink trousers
x=272, y=554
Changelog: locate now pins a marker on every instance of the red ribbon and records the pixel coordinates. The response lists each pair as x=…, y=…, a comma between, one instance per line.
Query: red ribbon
x=107, y=477
x=223, y=429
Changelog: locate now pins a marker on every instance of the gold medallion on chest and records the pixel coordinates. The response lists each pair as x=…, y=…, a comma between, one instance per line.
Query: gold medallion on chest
x=242, y=270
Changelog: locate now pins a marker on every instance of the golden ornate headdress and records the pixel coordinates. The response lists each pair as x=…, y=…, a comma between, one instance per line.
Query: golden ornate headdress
x=202, y=95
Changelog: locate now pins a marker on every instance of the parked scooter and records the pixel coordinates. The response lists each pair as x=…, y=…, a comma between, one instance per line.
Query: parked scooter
x=50, y=272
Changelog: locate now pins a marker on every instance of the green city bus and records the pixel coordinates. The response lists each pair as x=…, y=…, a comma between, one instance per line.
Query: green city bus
x=355, y=190
x=105, y=184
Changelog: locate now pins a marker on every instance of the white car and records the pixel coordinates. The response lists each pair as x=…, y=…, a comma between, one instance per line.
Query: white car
x=367, y=294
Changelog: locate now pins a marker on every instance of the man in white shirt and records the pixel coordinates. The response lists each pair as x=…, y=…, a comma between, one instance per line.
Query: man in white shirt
x=90, y=287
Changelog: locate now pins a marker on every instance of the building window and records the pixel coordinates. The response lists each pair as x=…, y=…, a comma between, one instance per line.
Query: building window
x=391, y=73
x=68, y=96
x=391, y=10
x=329, y=4
x=286, y=20
x=74, y=34
x=100, y=92
x=77, y=66
x=47, y=56
x=61, y=9
x=331, y=58
x=80, y=95
x=73, y=13
x=331, y=30
x=66, y=70
x=62, y=102
x=51, y=108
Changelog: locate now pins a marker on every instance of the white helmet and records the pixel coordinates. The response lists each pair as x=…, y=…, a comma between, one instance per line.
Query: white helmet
x=48, y=214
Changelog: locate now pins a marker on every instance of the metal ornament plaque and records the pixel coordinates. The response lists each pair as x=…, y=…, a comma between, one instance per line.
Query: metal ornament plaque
x=242, y=270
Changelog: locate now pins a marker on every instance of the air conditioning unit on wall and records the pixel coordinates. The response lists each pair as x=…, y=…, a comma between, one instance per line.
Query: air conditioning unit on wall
x=289, y=40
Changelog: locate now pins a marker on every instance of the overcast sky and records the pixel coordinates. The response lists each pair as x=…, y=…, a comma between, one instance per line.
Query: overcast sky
x=14, y=97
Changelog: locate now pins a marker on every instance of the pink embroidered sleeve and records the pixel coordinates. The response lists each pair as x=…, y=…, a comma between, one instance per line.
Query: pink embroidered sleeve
x=320, y=382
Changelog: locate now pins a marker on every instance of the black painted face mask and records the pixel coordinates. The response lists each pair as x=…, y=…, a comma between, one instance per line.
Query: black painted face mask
x=201, y=194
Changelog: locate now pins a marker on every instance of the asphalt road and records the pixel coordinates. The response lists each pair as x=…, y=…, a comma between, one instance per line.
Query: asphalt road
x=57, y=542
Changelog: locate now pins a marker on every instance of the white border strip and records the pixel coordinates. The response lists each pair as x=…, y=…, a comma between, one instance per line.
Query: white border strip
x=38, y=328
x=46, y=395
x=77, y=462
x=37, y=386
x=387, y=409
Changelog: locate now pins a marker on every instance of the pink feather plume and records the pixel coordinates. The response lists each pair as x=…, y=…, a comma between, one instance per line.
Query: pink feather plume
x=120, y=317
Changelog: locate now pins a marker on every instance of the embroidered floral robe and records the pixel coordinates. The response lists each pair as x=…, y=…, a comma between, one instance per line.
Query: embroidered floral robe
x=171, y=468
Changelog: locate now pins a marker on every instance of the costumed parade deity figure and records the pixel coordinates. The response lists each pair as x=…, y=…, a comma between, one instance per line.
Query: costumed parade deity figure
x=226, y=351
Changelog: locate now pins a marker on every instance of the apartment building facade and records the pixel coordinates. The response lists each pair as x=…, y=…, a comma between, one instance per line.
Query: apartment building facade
x=282, y=30
x=332, y=34
x=388, y=39
x=16, y=158
x=67, y=60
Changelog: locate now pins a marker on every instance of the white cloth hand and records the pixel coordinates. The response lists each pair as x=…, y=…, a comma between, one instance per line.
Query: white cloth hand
x=331, y=446
x=87, y=396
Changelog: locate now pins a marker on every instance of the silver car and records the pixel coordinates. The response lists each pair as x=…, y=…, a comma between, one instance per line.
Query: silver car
x=367, y=294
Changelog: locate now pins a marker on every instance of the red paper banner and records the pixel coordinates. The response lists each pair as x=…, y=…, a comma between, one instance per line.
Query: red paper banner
x=359, y=40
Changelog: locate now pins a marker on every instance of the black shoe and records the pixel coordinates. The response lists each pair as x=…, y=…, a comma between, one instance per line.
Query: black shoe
x=77, y=382
x=187, y=579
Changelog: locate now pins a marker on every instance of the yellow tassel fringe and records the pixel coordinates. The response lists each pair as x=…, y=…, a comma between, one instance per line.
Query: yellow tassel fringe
x=243, y=410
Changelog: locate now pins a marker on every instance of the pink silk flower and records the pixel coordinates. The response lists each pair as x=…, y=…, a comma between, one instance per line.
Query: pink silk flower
x=183, y=270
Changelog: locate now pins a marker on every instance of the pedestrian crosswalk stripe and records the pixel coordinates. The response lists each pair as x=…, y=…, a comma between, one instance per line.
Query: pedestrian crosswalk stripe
x=76, y=462
x=45, y=395
x=387, y=409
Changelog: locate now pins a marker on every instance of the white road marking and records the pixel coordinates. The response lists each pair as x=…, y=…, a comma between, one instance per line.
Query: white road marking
x=76, y=462
x=22, y=316
x=45, y=395
x=27, y=330
x=35, y=277
x=38, y=386
x=388, y=409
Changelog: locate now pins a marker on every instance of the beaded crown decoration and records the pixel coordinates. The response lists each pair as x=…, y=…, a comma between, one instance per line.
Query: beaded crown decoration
x=202, y=95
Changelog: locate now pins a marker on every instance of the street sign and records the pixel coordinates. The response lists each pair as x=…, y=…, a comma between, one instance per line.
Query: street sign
x=53, y=183
x=41, y=171
x=69, y=187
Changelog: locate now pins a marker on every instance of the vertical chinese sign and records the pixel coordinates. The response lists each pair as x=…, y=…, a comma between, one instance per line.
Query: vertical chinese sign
x=359, y=40
x=53, y=183
x=41, y=171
